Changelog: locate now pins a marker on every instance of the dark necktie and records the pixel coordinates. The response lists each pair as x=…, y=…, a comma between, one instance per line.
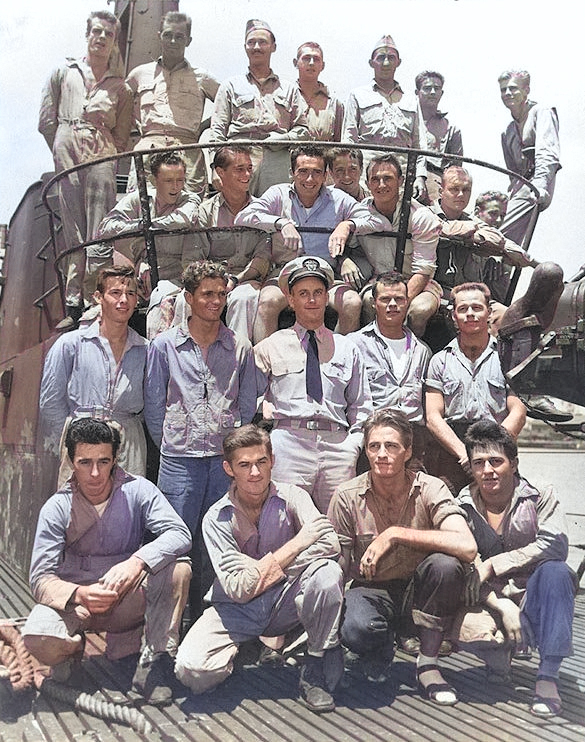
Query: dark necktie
x=313, y=375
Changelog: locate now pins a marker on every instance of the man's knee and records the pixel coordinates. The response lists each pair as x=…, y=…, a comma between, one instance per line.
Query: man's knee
x=198, y=672
x=363, y=629
x=553, y=578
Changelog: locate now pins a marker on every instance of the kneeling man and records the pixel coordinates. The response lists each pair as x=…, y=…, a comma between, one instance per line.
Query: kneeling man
x=404, y=542
x=91, y=569
x=273, y=555
x=522, y=543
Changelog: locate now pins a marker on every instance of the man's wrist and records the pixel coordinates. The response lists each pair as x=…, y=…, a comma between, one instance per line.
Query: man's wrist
x=282, y=222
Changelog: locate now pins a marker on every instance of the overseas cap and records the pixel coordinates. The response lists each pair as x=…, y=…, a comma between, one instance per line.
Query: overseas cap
x=386, y=41
x=305, y=267
x=256, y=25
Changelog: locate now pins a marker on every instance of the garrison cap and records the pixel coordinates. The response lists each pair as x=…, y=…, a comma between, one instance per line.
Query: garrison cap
x=305, y=267
x=386, y=42
x=256, y=25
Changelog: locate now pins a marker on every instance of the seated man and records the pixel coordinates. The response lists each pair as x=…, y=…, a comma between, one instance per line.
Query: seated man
x=345, y=166
x=274, y=558
x=456, y=262
x=376, y=253
x=306, y=202
x=171, y=208
x=490, y=207
x=401, y=533
x=91, y=569
x=465, y=384
x=245, y=254
x=522, y=547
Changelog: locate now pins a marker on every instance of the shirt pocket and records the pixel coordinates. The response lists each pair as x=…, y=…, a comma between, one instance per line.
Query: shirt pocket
x=245, y=109
x=336, y=372
x=175, y=428
x=146, y=95
x=454, y=394
x=284, y=366
x=496, y=398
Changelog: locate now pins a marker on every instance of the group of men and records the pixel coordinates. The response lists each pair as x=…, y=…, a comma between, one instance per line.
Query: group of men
x=283, y=519
x=87, y=112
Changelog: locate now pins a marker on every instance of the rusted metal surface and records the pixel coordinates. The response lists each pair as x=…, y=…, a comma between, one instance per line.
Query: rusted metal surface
x=258, y=704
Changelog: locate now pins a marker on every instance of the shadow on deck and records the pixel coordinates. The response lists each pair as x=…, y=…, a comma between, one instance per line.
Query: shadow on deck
x=257, y=704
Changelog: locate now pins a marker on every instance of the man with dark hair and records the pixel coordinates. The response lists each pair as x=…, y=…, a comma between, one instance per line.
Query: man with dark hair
x=465, y=384
x=376, y=253
x=306, y=202
x=522, y=542
x=170, y=98
x=396, y=360
x=401, y=532
x=171, y=208
x=442, y=137
x=345, y=166
x=531, y=148
x=490, y=207
x=86, y=113
x=200, y=384
x=91, y=569
x=378, y=113
x=324, y=112
x=260, y=105
x=317, y=383
x=98, y=371
x=245, y=254
x=274, y=559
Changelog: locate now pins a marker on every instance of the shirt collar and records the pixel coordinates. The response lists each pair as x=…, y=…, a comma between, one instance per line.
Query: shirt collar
x=93, y=331
x=271, y=76
x=302, y=332
x=375, y=328
x=224, y=336
x=183, y=65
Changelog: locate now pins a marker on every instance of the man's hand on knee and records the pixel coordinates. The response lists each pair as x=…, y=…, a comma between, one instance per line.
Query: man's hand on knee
x=95, y=598
x=124, y=576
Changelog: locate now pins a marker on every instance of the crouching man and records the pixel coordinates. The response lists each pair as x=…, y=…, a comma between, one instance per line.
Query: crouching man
x=92, y=570
x=522, y=542
x=273, y=555
x=404, y=541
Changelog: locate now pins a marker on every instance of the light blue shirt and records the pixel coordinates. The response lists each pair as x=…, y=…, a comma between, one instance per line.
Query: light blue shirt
x=81, y=378
x=192, y=404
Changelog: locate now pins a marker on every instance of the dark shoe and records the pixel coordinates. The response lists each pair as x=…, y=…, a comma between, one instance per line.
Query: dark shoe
x=542, y=408
x=432, y=691
x=312, y=686
x=523, y=653
x=270, y=657
x=154, y=683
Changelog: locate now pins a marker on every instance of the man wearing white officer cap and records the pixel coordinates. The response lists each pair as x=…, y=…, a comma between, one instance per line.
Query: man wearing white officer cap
x=318, y=385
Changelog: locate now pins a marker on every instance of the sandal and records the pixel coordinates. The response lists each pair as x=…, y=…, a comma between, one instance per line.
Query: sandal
x=432, y=692
x=545, y=707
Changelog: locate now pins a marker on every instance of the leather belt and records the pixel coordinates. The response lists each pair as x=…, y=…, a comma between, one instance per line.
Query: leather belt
x=300, y=423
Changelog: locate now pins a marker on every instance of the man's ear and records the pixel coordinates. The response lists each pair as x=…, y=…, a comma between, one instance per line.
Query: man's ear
x=228, y=469
x=371, y=62
x=295, y=62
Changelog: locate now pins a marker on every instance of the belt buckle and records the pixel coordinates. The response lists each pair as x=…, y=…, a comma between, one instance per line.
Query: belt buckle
x=312, y=425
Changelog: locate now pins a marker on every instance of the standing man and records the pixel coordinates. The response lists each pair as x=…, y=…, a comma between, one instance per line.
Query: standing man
x=274, y=559
x=378, y=114
x=401, y=532
x=98, y=371
x=200, y=384
x=307, y=202
x=245, y=254
x=91, y=569
x=376, y=253
x=259, y=105
x=317, y=382
x=169, y=99
x=86, y=113
x=531, y=149
x=171, y=208
x=523, y=546
x=396, y=360
x=324, y=111
x=464, y=384
x=442, y=136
